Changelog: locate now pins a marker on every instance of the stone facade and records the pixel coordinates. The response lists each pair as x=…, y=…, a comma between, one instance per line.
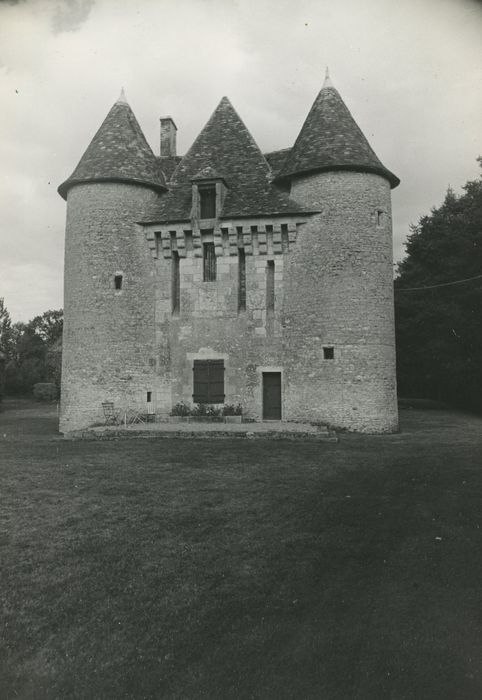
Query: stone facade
x=109, y=350
x=315, y=303
x=339, y=292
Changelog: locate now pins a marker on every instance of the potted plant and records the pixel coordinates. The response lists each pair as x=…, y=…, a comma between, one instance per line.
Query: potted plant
x=205, y=413
x=232, y=413
x=180, y=413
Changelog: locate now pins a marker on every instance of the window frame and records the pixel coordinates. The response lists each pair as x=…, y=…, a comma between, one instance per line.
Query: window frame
x=204, y=201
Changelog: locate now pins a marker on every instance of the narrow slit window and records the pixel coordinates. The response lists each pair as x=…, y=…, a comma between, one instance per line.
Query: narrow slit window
x=328, y=353
x=207, y=202
x=270, y=285
x=379, y=217
x=149, y=397
x=209, y=262
x=284, y=238
x=117, y=282
x=157, y=240
x=225, y=238
x=188, y=239
x=175, y=282
x=239, y=231
x=242, y=280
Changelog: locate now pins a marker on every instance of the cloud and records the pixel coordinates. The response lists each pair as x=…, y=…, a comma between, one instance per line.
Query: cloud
x=64, y=15
x=69, y=14
x=410, y=72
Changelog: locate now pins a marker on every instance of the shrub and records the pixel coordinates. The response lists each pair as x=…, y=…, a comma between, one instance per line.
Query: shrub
x=230, y=409
x=205, y=409
x=45, y=391
x=181, y=409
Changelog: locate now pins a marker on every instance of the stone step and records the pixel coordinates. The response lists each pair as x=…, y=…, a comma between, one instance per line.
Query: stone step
x=116, y=433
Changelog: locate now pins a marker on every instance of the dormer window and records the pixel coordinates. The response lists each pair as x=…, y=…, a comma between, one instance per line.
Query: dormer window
x=208, y=191
x=207, y=201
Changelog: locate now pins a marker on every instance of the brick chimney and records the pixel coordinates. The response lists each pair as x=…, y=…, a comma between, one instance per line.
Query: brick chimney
x=168, y=136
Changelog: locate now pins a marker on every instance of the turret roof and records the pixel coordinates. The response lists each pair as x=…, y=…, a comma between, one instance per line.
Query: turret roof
x=330, y=139
x=225, y=146
x=118, y=152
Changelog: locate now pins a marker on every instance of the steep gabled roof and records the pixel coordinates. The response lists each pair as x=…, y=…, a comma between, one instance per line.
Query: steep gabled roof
x=207, y=173
x=330, y=139
x=225, y=146
x=118, y=152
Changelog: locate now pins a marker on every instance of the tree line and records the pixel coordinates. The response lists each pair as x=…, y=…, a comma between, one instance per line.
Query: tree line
x=438, y=303
x=30, y=352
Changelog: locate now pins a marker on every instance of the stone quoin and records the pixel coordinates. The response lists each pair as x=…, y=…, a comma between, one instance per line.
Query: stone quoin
x=229, y=276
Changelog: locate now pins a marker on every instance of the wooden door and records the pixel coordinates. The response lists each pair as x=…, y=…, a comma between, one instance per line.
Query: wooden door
x=272, y=395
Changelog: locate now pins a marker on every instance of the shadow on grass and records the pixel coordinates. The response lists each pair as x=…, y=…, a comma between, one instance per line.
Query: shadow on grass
x=199, y=569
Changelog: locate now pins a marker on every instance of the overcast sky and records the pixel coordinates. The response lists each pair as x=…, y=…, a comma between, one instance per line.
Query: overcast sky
x=410, y=72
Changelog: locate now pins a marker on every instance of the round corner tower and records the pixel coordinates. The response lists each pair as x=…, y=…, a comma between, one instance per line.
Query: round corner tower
x=108, y=339
x=338, y=307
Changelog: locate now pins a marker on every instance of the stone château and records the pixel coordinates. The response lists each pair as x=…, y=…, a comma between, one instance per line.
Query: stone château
x=231, y=276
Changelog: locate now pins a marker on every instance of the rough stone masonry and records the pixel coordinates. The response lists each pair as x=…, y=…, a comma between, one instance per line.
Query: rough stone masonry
x=229, y=276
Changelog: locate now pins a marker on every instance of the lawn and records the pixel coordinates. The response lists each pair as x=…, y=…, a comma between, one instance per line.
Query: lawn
x=241, y=569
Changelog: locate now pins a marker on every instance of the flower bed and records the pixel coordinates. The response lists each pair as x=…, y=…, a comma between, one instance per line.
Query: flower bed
x=182, y=412
x=205, y=419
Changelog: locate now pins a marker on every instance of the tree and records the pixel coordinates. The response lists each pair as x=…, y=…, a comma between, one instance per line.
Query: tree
x=35, y=353
x=438, y=303
x=48, y=326
x=6, y=340
x=6, y=343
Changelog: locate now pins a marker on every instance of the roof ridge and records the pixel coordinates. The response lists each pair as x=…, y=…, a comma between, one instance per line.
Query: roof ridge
x=224, y=103
x=250, y=135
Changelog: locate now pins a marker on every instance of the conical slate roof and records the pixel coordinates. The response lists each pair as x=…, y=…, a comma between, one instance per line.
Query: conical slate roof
x=330, y=139
x=118, y=152
x=226, y=147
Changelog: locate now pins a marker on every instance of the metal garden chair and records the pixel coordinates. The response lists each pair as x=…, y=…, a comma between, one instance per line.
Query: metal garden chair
x=111, y=414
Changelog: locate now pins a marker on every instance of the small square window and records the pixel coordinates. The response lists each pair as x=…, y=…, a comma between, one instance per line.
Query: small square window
x=328, y=353
x=118, y=282
x=149, y=396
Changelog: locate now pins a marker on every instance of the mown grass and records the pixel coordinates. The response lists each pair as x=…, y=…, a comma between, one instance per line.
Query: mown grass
x=239, y=569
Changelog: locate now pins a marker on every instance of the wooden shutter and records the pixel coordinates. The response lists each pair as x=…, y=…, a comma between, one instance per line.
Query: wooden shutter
x=216, y=381
x=201, y=381
x=208, y=381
